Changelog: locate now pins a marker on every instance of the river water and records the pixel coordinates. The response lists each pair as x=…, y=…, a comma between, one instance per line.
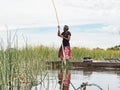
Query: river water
x=99, y=79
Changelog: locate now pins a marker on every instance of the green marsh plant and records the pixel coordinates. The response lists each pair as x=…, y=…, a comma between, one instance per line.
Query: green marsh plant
x=20, y=66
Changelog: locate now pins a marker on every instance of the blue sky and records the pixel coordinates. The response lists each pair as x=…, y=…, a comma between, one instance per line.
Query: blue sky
x=89, y=36
x=93, y=23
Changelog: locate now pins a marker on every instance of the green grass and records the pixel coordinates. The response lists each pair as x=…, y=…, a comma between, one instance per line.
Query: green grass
x=96, y=54
x=21, y=65
x=51, y=54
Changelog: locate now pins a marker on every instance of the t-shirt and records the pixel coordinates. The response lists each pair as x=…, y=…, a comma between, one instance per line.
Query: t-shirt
x=66, y=42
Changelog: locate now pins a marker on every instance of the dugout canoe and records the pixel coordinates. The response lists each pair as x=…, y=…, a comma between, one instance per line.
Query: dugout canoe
x=93, y=64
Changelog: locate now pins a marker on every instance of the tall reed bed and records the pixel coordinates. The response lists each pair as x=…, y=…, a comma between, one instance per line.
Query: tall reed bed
x=97, y=53
x=51, y=54
x=21, y=66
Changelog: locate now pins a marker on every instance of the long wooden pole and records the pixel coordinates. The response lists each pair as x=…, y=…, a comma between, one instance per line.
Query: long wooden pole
x=62, y=44
x=55, y=12
x=59, y=25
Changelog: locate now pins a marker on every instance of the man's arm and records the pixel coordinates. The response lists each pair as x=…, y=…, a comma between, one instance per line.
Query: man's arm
x=67, y=38
x=59, y=34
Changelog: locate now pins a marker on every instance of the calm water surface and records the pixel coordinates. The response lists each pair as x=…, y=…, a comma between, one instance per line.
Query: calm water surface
x=106, y=79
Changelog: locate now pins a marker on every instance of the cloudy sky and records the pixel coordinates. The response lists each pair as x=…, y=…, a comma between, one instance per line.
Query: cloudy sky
x=105, y=14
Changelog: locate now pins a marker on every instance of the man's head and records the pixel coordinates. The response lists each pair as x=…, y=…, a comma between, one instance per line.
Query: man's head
x=66, y=28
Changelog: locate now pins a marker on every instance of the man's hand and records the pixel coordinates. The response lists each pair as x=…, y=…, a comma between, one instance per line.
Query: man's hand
x=59, y=30
x=58, y=27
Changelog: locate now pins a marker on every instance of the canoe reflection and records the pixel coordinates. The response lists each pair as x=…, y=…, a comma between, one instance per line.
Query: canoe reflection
x=64, y=77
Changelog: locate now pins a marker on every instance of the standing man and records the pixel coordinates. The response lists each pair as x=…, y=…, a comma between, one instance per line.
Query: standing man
x=65, y=50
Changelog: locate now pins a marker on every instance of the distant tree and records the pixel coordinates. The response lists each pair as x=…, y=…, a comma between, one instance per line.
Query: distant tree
x=98, y=48
x=117, y=47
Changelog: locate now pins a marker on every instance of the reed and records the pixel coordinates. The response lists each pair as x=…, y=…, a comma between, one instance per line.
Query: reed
x=45, y=53
x=97, y=53
x=19, y=66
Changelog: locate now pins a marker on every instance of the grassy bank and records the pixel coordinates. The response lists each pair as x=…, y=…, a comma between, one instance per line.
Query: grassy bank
x=97, y=54
x=51, y=54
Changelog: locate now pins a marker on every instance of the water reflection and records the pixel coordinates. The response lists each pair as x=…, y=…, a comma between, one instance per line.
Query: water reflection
x=64, y=77
x=89, y=79
x=87, y=72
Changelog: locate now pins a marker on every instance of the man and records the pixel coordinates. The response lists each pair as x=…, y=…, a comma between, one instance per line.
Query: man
x=65, y=50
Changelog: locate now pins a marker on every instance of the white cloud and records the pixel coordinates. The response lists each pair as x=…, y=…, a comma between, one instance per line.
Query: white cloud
x=41, y=12
x=92, y=4
x=112, y=28
x=25, y=11
x=34, y=13
x=91, y=11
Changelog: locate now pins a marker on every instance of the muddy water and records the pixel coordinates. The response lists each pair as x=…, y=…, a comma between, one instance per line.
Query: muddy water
x=99, y=79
